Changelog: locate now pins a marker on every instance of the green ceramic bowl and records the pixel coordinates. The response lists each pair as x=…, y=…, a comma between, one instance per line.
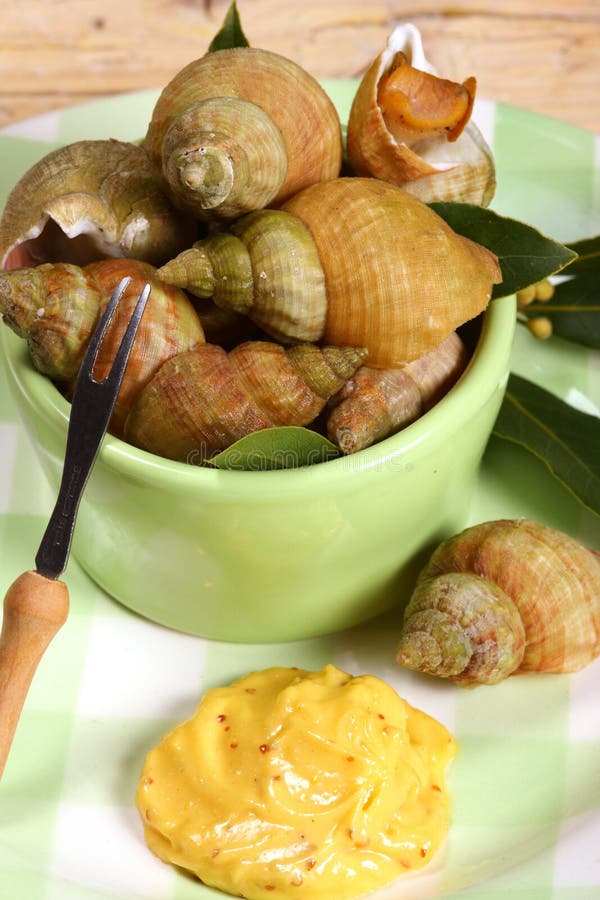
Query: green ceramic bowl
x=274, y=555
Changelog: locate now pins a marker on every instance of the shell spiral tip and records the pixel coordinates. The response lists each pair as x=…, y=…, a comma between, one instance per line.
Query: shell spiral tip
x=191, y=269
x=419, y=651
x=433, y=643
x=208, y=173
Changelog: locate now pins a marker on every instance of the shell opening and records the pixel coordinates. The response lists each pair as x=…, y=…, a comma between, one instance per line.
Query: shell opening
x=414, y=103
x=136, y=234
x=414, y=129
x=78, y=202
x=48, y=241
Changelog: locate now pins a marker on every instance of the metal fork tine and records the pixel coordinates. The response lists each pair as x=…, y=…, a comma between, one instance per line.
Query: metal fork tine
x=122, y=355
x=91, y=353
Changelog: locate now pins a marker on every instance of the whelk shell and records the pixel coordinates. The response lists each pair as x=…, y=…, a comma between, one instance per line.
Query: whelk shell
x=240, y=129
x=504, y=597
x=375, y=403
x=200, y=402
x=424, y=141
x=352, y=262
x=89, y=200
x=55, y=307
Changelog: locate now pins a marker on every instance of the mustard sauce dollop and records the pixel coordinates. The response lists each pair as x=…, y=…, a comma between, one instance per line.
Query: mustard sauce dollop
x=296, y=784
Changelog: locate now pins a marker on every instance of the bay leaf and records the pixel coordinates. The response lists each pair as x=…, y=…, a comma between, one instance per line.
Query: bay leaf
x=565, y=439
x=286, y=447
x=524, y=253
x=588, y=256
x=231, y=33
x=574, y=310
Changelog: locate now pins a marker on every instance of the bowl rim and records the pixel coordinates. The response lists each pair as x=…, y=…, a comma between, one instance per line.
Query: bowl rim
x=486, y=372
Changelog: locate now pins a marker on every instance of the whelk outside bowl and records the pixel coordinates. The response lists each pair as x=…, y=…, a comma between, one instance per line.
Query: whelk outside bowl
x=263, y=556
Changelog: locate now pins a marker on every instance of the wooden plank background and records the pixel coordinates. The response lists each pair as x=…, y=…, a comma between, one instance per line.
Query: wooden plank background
x=543, y=55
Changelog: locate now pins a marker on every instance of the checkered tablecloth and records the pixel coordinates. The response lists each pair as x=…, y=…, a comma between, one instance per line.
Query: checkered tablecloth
x=526, y=786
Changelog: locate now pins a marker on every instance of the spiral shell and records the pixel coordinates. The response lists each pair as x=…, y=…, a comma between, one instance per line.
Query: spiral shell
x=352, y=262
x=413, y=129
x=241, y=129
x=200, y=402
x=375, y=403
x=89, y=200
x=504, y=597
x=55, y=307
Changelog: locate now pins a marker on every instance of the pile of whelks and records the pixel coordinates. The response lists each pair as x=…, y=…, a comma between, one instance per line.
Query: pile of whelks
x=282, y=292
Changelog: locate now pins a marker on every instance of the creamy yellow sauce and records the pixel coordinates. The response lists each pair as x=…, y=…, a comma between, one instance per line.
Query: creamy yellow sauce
x=295, y=784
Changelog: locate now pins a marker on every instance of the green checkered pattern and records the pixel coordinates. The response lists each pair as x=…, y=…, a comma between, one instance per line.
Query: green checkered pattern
x=526, y=785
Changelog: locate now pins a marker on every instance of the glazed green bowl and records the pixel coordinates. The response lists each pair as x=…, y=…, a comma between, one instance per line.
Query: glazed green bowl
x=264, y=556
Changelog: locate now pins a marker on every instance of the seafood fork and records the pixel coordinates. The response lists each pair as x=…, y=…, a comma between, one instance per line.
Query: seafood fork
x=37, y=603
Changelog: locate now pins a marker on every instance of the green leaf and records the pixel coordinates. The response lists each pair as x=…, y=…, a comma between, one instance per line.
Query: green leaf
x=588, y=256
x=287, y=447
x=230, y=34
x=574, y=310
x=525, y=255
x=564, y=438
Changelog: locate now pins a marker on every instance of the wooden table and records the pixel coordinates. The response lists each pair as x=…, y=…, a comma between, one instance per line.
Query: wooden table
x=543, y=55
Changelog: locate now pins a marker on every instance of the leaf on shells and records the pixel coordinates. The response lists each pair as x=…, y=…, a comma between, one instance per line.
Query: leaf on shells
x=564, y=438
x=286, y=447
x=525, y=255
x=230, y=34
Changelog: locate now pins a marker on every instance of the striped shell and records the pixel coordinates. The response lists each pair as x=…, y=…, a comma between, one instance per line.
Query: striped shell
x=89, y=200
x=351, y=262
x=240, y=129
x=55, y=307
x=454, y=163
x=504, y=597
x=398, y=279
x=375, y=403
x=200, y=402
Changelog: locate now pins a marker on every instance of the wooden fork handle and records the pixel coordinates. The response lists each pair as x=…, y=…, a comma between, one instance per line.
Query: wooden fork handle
x=35, y=607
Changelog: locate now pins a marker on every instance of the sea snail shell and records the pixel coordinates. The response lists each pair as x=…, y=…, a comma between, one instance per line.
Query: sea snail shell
x=504, y=597
x=89, y=200
x=200, y=402
x=351, y=262
x=55, y=307
x=375, y=403
x=413, y=129
x=241, y=129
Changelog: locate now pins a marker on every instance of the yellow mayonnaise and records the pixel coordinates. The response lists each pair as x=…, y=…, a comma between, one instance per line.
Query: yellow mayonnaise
x=295, y=784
